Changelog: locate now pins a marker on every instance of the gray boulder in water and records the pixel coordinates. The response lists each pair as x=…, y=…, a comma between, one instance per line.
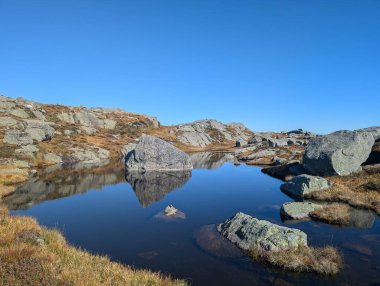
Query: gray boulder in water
x=339, y=153
x=303, y=184
x=248, y=232
x=154, y=154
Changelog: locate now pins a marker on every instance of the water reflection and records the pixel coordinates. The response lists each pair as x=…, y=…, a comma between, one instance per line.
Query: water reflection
x=57, y=181
x=151, y=186
x=210, y=160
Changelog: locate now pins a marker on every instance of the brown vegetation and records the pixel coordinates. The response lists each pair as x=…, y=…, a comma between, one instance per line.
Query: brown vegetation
x=338, y=214
x=354, y=190
x=32, y=255
x=325, y=260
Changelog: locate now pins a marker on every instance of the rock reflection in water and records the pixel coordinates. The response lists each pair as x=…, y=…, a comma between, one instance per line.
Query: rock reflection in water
x=152, y=186
x=210, y=160
x=57, y=181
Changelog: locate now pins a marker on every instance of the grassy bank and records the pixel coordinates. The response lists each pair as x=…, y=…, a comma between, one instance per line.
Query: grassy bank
x=338, y=214
x=33, y=255
x=358, y=190
x=324, y=261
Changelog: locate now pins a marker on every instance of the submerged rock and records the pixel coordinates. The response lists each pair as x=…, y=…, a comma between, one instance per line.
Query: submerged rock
x=298, y=210
x=339, y=153
x=303, y=184
x=248, y=232
x=210, y=240
x=154, y=154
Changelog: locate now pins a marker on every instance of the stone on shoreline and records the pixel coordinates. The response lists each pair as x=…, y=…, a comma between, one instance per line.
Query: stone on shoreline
x=154, y=154
x=298, y=210
x=303, y=184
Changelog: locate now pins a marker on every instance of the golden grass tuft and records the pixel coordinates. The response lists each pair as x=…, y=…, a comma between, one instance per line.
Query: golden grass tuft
x=352, y=190
x=324, y=260
x=33, y=255
x=338, y=214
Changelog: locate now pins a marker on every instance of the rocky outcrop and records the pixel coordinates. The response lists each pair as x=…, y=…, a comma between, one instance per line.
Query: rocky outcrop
x=248, y=232
x=206, y=132
x=304, y=184
x=151, y=187
x=15, y=137
x=154, y=154
x=86, y=118
x=89, y=156
x=298, y=210
x=339, y=153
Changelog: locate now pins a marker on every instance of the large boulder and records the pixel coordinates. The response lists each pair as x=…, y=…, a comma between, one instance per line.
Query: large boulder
x=248, y=232
x=154, y=154
x=303, y=184
x=339, y=153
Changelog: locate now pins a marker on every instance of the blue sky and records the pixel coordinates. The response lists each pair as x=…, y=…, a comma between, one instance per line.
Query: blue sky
x=273, y=65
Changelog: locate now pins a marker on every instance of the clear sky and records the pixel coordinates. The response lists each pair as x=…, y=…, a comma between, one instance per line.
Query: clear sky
x=273, y=65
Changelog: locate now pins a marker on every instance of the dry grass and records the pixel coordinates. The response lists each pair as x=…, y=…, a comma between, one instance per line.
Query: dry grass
x=353, y=190
x=10, y=175
x=325, y=261
x=32, y=255
x=338, y=214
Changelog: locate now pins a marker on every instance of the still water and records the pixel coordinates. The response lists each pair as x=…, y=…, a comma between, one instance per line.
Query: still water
x=104, y=211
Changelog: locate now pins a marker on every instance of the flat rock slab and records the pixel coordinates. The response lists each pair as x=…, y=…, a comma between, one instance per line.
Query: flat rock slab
x=298, y=210
x=247, y=232
x=303, y=184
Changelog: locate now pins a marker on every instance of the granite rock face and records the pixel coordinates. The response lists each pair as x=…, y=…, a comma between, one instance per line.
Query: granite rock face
x=248, y=232
x=205, y=132
x=86, y=118
x=303, y=184
x=15, y=137
x=339, y=153
x=154, y=154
